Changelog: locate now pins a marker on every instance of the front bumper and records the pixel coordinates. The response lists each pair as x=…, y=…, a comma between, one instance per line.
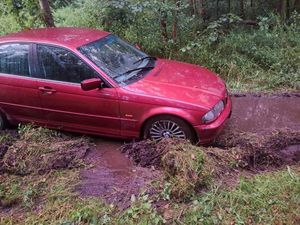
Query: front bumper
x=208, y=132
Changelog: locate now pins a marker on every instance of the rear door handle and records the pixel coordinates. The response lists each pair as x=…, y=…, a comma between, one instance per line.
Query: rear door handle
x=47, y=90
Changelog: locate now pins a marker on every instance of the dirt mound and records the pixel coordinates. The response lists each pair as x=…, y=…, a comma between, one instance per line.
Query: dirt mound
x=40, y=150
x=247, y=150
x=6, y=140
x=187, y=167
x=262, y=151
x=148, y=153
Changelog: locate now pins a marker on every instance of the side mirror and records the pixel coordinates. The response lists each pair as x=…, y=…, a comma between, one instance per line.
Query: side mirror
x=91, y=84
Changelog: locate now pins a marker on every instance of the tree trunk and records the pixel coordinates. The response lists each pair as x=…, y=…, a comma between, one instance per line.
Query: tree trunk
x=229, y=5
x=175, y=14
x=288, y=9
x=297, y=6
x=242, y=9
x=217, y=8
x=192, y=7
x=201, y=9
x=283, y=9
x=163, y=24
x=46, y=13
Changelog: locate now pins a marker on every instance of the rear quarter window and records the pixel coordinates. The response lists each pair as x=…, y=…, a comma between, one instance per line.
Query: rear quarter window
x=14, y=59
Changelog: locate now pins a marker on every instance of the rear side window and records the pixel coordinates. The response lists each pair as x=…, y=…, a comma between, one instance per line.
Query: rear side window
x=62, y=65
x=14, y=59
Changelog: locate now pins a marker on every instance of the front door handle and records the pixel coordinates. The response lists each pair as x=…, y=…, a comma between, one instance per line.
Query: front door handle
x=47, y=90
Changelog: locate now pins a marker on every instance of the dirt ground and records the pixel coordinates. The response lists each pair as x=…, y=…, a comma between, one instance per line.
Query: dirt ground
x=264, y=133
x=268, y=126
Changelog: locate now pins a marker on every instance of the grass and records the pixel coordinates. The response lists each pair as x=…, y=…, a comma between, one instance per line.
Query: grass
x=271, y=198
x=51, y=197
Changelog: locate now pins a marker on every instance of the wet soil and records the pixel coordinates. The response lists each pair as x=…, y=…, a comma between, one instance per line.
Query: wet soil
x=112, y=175
x=38, y=151
x=263, y=132
x=264, y=113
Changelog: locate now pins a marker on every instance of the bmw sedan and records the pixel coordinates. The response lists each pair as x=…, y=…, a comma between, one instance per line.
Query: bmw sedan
x=93, y=82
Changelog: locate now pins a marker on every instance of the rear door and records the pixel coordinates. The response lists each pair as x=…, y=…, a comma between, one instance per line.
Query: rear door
x=65, y=104
x=19, y=96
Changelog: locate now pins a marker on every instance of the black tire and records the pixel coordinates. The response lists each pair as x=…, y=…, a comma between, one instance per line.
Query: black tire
x=186, y=132
x=3, y=122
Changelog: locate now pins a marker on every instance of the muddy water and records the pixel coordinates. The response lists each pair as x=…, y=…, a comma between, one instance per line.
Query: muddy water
x=115, y=178
x=266, y=113
x=112, y=176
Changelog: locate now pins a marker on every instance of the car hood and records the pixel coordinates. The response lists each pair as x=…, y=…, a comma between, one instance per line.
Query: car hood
x=181, y=82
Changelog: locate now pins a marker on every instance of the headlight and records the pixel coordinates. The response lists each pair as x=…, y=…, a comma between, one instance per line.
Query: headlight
x=214, y=113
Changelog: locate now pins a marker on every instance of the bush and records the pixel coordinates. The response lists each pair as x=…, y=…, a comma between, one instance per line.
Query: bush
x=8, y=24
x=262, y=58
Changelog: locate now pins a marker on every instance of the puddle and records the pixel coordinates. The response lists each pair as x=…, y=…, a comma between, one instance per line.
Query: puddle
x=291, y=153
x=265, y=113
x=113, y=176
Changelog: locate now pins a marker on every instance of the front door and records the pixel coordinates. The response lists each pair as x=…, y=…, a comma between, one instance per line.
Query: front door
x=65, y=104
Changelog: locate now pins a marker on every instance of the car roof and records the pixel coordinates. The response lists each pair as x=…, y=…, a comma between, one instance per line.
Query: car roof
x=65, y=36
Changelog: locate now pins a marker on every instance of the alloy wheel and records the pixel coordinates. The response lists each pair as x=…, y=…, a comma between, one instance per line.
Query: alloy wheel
x=166, y=129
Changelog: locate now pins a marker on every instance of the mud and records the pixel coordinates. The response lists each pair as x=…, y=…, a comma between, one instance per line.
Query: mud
x=262, y=134
x=38, y=151
x=264, y=113
x=112, y=175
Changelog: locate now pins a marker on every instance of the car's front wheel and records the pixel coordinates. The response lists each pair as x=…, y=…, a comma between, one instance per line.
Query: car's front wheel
x=161, y=127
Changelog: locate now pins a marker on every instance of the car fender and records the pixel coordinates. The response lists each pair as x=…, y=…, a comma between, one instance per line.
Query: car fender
x=186, y=115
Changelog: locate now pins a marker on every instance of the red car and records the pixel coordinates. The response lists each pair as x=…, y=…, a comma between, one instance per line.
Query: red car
x=91, y=81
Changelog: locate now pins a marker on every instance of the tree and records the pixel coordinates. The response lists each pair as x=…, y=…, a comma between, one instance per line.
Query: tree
x=242, y=9
x=46, y=13
x=283, y=9
x=297, y=6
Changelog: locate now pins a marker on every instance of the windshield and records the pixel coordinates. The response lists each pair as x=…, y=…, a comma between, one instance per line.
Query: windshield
x=118, y=59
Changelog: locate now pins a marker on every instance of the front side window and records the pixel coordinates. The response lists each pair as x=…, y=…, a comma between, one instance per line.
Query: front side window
x=118, y=59
x=62, y=65
x=14, y=59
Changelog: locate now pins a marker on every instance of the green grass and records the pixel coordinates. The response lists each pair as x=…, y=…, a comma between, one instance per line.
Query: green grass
x=271, y=198
x=51, y=198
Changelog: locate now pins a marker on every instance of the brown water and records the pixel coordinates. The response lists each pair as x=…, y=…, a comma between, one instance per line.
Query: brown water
x=113, y=176
x=261, y=114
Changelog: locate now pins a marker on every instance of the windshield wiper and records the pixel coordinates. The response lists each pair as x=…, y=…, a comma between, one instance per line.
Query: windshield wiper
x=143, y=58
x=135, y=69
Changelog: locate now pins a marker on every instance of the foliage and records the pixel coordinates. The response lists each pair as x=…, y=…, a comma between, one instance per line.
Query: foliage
x=263, y=57
x=25, y=12
x=141, y=211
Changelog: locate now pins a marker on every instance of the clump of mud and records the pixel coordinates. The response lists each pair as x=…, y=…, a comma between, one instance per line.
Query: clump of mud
x=256, y=151
x=39, y=150
x=148, y=153
x=246, y=150
x=6, y=140
x=186, y=167
x=190, y=168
